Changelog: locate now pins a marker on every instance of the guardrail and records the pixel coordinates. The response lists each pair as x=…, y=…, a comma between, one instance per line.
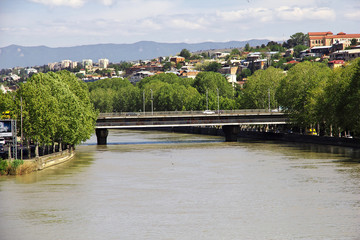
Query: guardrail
x=187, y=113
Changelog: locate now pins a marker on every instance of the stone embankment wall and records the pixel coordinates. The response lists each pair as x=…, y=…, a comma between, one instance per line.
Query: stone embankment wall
x=40, y=163
x=336, y=141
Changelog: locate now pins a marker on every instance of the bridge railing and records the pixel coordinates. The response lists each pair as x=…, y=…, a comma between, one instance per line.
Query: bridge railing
x=187, y=113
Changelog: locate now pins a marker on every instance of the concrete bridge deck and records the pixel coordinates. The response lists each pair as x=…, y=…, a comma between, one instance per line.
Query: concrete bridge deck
x=229, y=120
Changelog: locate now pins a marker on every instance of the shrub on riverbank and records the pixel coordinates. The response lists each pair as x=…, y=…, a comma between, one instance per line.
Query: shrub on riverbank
x=4, y=167
x=10, y=167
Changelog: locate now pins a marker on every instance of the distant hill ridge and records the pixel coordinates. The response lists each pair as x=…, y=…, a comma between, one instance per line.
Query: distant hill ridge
x=20, y=56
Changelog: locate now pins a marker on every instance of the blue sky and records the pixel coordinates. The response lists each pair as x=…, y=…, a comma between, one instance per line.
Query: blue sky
x=61, y=23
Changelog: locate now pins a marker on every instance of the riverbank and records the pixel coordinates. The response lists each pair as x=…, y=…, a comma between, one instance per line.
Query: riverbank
x=287, y=137
x=40, y=163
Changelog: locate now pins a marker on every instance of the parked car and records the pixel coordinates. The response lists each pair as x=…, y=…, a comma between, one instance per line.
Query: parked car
x=2, y=141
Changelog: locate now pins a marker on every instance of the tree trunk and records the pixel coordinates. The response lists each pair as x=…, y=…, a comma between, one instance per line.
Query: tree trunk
x=331, y=130
x=29, y=148
x=9, y=151
x=36, y=149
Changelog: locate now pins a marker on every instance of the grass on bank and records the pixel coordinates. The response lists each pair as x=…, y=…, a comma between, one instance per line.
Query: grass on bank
x=15, y=167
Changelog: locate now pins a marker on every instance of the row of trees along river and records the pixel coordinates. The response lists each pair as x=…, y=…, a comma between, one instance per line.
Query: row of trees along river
x=55, y=109
x=59, y=108
x=313, y=94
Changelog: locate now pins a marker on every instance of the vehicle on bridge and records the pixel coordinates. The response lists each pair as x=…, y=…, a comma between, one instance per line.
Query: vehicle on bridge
x=209, y=112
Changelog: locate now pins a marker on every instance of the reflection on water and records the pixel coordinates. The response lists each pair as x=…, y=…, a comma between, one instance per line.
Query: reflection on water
x=157, y=185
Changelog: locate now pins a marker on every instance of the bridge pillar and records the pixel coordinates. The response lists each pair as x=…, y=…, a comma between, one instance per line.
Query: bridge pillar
x=101, y=135
x=231, y=132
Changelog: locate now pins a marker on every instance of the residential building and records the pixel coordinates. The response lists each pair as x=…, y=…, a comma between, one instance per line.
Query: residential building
x=177, y=59
x=328, y=39
x=336, y=63
x=31, y=70
x=189, y=74
x=87, y=63
x=103, y=63
x=345, y=55
x=140, y=75
x=65, y=63
x=73, y=65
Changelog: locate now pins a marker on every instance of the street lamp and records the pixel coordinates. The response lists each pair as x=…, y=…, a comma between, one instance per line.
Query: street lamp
x=207, y=103
x=152, y=102
x=144, y=101
x=217, y=91
x=269, y=98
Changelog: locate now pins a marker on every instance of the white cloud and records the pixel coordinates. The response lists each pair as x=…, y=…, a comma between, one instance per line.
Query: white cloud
x=353, y=15
x=184, y=24
x=107, y=2
x=299, y=14
x=261, y=14
x=68, y=3
x=293, y=14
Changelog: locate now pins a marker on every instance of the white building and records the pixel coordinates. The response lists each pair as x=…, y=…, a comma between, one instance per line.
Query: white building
x=73, y=65
x=103, y=63
x=31, y=70
x=87, y=63
x=65, y=63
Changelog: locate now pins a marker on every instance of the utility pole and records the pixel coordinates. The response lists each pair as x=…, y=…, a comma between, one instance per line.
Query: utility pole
x=21, y=126
x=207, y=103
x=144, y=101
x=152, y=102
x=217, y=91
x=269, y=98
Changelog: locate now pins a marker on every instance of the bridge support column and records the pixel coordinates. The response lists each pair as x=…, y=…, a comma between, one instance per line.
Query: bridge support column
x=101, y=135
x=231, y=132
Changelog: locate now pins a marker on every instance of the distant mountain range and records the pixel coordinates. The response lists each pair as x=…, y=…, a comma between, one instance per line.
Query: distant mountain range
x=20, y=56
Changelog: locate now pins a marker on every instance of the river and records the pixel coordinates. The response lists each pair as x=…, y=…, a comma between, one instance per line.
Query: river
x=159, y=185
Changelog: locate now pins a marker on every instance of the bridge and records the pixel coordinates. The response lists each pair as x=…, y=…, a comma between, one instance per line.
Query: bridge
x=229, y=120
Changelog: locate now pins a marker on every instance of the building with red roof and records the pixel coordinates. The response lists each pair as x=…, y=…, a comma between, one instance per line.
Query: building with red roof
x=317, y=39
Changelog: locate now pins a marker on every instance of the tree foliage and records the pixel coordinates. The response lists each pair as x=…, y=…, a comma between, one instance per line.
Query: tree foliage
x=185, y=53
x=299, y=92
x=56, y=108
x=259, y=86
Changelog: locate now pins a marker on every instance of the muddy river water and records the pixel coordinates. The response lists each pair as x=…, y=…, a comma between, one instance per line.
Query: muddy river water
x=159, y=185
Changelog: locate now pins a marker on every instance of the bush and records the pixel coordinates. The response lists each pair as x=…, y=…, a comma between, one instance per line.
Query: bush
x=15, y=164
x=3, y=167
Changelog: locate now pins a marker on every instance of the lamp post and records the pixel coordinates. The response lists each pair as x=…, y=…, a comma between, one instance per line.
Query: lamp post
x=217, y=91
x=269, y=98
x=21, y=126
x=207, y=103
x=144, y=101
x=152, y=102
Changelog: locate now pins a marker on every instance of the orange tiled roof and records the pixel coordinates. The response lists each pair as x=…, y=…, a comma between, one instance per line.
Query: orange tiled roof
x=345, y=36
x=319, y=33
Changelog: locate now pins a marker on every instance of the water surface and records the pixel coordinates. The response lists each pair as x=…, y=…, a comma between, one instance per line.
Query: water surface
x=158, y=185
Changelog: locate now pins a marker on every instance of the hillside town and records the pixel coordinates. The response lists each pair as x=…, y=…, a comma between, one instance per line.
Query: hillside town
x=235, y=64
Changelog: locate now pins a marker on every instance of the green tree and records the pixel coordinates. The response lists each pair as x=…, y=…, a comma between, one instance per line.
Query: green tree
x=211, y=81
x=56, y=108
x=299, y=92
x=213, y=67
x=259, y=86
x=353, y=42
x=296, y=39
x=235, y=52
x=246, y=72
x=348, y=106
x=298, y=49
x=247, y=47
x=185, y=53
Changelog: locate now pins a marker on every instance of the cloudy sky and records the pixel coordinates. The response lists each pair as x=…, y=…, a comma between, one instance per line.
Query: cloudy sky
x=59, y=23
